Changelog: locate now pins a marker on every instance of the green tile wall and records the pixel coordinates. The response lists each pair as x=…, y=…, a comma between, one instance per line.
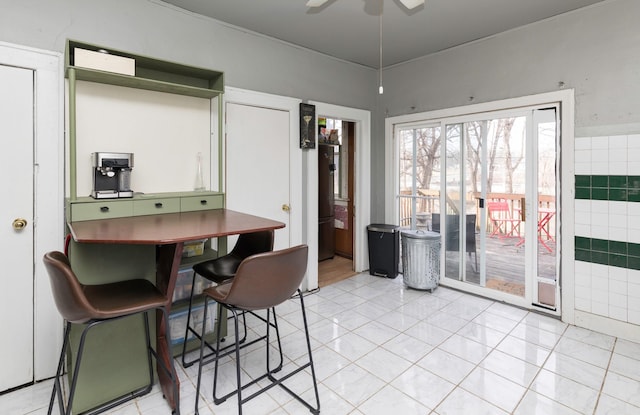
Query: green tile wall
x=605, y=252
x=614, y=188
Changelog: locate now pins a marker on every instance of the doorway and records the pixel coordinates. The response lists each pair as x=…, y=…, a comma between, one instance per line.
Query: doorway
x=336, y=142
x=489, y=182
x=499, y=176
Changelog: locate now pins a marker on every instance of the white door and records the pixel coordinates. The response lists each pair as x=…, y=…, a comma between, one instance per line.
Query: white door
x=16, y=237
x=257, y=167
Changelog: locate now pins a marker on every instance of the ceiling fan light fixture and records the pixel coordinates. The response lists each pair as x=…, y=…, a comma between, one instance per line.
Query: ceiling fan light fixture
x=411, y=4
x=316, y=3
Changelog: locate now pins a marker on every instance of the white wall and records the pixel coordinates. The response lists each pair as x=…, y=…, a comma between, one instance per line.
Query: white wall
x=594, y=51
x=153, y=28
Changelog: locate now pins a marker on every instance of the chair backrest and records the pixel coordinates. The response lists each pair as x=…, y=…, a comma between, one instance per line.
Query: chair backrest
x=452, y=238
x=268, y=279
x=67, y=291
x=499, y=210
x=253, y=243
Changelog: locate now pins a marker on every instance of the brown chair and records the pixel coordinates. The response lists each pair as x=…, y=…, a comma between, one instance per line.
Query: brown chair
x=93, y=305
x=221, y=270
x=262, y=282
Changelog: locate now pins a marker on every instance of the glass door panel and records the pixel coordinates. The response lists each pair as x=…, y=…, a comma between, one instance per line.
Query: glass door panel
x=545, y=287
x=419, y=186
x=451, y=215
x=505, y=184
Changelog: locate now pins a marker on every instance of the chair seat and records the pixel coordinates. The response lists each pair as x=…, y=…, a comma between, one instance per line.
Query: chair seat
x=123, y=298
x=96, y=305
x=220, y=269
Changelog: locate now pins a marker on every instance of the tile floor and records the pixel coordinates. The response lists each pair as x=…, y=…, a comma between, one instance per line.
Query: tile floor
x=380, y=348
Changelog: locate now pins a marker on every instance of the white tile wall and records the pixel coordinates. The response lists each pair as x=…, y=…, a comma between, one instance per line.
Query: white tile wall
x=599, y=289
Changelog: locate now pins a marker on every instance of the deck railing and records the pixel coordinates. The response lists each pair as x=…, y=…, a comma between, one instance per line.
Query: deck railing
x=415, y=210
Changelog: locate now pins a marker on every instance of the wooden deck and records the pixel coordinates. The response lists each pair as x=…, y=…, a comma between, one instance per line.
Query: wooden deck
x=505, y=264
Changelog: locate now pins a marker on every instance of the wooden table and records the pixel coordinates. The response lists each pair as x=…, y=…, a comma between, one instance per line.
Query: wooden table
x=168, y=232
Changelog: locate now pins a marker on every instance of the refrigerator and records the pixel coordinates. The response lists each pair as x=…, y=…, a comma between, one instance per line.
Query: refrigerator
x=326, y=230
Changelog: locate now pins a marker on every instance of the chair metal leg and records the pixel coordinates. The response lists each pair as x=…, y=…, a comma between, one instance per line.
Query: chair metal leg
x=201, y=358
x=188, y=327
x=57, y=387
x=238, y=379
x=309, y=364
x=200, y=335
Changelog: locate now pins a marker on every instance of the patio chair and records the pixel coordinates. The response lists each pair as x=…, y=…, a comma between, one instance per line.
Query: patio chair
x=452, y=237
x=504, y=224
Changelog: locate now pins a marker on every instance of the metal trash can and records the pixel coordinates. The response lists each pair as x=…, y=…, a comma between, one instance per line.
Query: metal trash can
x=421, y=259
x=384, y=250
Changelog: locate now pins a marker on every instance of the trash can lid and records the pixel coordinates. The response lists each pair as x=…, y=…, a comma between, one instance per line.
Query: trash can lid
x=420, y=234
x=381, y=227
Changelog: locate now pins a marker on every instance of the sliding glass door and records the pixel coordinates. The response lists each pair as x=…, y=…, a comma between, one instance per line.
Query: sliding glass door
x=491, y=194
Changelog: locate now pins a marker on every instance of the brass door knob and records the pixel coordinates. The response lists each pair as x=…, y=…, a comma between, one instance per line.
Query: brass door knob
x=19, y=224
x=286, y=207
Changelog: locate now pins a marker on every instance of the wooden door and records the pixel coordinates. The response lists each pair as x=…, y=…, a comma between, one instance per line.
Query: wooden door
x=16, y=237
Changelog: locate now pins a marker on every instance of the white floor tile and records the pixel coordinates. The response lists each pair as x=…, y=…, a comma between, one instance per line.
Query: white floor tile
x=389, y=401
x=584, y=351
x=494, y=389
x=535, y=404
x=622, y=388
x=466, y=349
x=423, y=386
x=577, y=370
x=461, y=402
x=523, y=350
x=446, y=365
x=608, y=405
x=565, y=391
x=482, y=334
x=510, y=367
x=354, y=384
x=382, y=348
x=383, y=364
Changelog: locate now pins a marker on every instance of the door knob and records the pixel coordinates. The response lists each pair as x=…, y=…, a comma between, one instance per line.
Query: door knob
x=19, y=224
x=286, y=207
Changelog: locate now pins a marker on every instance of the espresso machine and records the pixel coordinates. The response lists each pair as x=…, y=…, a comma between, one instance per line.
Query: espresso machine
x=111, y=175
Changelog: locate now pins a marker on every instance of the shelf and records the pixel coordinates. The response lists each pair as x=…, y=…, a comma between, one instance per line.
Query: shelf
x=150, y=74
x=92, y=75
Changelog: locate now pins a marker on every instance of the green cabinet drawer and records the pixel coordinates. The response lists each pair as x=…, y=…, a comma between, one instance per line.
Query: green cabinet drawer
x=101, y=210
x=203, y=202
x=156, y=206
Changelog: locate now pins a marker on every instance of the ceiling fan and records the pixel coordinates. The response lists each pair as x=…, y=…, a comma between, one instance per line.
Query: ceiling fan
x=409, y=4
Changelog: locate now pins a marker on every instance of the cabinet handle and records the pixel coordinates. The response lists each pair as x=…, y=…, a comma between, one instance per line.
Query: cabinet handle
x=158, y=205
x=104, y=208
x=203, y=202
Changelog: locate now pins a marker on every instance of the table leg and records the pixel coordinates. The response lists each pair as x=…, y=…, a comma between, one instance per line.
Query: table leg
x=168, y=261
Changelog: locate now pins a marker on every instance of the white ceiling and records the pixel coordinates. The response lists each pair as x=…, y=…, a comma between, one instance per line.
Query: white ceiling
x=349, y=29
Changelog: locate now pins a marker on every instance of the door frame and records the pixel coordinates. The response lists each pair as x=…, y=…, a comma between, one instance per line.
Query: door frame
x=290, y=105
x=565, y=179
x=362, y=181
x=48, y=176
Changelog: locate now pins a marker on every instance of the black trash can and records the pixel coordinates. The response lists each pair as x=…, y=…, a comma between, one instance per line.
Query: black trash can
x=384, y=250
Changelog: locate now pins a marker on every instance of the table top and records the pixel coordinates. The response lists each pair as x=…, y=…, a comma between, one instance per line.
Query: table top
x=170, y=228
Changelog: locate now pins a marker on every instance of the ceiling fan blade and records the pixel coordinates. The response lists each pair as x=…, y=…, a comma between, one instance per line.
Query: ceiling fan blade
x=316, y=3
x=411, y=4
